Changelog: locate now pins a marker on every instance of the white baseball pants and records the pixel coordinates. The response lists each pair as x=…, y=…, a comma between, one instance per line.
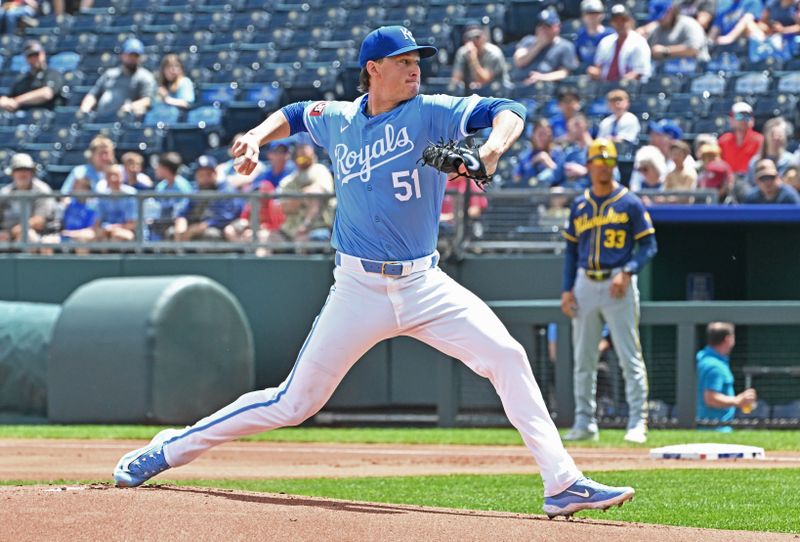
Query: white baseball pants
x=363, y=309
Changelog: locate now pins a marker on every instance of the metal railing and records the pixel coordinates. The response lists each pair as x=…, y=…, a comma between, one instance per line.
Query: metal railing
x=513, y=220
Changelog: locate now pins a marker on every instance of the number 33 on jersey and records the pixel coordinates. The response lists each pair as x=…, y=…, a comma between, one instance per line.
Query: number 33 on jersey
x=607, y=228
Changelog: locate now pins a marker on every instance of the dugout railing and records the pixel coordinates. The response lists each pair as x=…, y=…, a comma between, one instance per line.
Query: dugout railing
x=512, y=220
x=685, y=317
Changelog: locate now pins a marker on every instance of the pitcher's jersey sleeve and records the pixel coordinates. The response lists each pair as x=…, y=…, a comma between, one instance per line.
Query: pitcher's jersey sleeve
x=320, y=118
x=447, y=116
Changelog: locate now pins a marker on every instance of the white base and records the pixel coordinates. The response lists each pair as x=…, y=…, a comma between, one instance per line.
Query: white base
x=708, y=451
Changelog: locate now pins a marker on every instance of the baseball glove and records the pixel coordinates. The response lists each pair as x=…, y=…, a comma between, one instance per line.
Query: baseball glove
x=448, y=157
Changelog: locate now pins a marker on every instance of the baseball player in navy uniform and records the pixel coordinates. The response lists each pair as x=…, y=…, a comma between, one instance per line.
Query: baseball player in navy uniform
x=387, y=282
x=599, y=287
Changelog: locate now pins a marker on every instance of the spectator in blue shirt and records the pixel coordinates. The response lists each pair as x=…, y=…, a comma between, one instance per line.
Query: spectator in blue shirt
x=592, y=31
x=174, y=88
x=569, y=104
x=206, y=219
x=101, y=155
x=716, y=400
x=117, y=216
x=734, y=19
x=540, y=165
x=78, y=220
x=161, y=212
x=279, y=165
x=770, y=188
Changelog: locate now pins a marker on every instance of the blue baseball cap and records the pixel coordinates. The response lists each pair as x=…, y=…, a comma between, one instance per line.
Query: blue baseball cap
x=391, y=41
x=666, y=127
x=206, y=161
x=133, y=46
x=549, y=17
x=658, y=9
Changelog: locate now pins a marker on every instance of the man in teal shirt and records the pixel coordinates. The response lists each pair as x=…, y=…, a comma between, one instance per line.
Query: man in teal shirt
x=716, y=400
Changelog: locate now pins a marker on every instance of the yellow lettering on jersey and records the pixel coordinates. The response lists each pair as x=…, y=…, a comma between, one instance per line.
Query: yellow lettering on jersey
x=584, y=223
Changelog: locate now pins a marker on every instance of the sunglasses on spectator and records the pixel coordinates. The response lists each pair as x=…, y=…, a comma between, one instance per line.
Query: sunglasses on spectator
x=606, y=160
x=742, y=116
x=767, y=178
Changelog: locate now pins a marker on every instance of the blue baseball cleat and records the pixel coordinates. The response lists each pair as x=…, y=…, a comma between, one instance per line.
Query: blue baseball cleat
x=138, y=466
x=586, y=494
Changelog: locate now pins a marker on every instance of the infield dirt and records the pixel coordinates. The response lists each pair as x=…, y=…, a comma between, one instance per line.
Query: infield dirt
x=102, y=512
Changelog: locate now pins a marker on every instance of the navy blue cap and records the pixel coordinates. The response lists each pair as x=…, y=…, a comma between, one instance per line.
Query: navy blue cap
x=391, y=41
x=133, y=46
x=667, y=127
x=206, y=161
x=658, y=9
x=549, y=17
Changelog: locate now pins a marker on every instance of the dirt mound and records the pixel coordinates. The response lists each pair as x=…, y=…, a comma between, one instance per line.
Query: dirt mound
x=101, y=512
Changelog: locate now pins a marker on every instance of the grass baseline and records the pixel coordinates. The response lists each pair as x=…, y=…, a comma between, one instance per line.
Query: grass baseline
x=776, y=440
x=740, y=499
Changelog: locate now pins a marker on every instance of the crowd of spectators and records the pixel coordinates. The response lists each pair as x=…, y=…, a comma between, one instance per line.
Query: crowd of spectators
x=745, y=164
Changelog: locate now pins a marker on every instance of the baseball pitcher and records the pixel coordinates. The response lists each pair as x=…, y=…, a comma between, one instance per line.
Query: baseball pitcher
x=599, y=287
x=387, y=282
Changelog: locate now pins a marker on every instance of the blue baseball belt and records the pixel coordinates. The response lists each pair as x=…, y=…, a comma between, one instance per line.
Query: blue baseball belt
x=387, y=268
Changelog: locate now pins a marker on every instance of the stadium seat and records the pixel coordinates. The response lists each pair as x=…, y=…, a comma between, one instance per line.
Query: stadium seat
x=711, y=125
x=215, y=93
x=64, y=62
x=146, y=140
x=724, y=63
x=752, y=83
x=787, y=411
x=709, y=84
x=161, y=115
x=789, y=83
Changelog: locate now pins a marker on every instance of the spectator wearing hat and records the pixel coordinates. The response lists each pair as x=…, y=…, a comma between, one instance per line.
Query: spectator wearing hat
x=742, y=143
x=101, y=155
x=479, y=63
x=621, y=124
x=735, y=19
x=624, y=54
x=307, y=219
x=206, y=219
x=279, y=164
x=14, y=12
x=592, y=31
x=569, y=104
x=116, y=217
x=776, y=133
x=545, y=56
x=38, y=87
x=716, y=174
x=662, y=135
x=683, y=177
x=128, y=88
x=770, y=188
x=675, y=35
x=41, y=211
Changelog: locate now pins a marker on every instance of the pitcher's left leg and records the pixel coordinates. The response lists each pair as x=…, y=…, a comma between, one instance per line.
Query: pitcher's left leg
x=455, y=321
x=622, y=316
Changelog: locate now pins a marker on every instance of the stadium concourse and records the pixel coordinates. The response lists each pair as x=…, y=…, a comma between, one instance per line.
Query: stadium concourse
x=242, y=59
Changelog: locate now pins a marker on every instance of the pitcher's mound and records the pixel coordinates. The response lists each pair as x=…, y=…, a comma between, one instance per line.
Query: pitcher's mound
x=101, y=512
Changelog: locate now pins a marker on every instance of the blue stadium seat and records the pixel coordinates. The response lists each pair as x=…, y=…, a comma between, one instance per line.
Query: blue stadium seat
x=711, y=84
x=56, y=174
x=711, y=125
x=686, y=106
x=130, y=22
x=81, y=43
x=774, y=105
x=18, y=64
x=64, y=62
x=789, y=83
x=787, y=411
x=161, y=115
x=207, y=115
x=752, y=83
x=146, y=140
x=724, y=63
x=215, y=93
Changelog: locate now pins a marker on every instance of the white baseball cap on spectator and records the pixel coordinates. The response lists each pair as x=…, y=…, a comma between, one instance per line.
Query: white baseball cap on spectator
x=592, y=6
x=741, y=108
x=22, y=160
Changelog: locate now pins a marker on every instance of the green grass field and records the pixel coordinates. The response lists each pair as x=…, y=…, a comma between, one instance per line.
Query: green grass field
x=746, y=499
x=785, y=440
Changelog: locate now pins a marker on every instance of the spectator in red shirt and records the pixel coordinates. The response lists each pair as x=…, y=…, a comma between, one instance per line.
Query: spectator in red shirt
x=477, y=202
x=270, y=219
x=742, y=142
